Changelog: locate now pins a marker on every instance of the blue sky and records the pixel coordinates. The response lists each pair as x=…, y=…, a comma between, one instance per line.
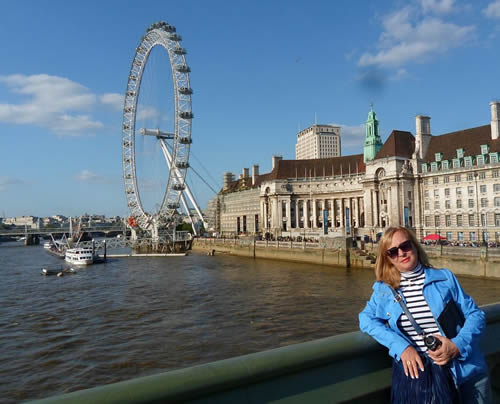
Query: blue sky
x=260, y=71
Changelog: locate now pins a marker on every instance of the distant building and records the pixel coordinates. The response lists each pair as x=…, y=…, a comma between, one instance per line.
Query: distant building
x=447, y=184
x=318, y=142
x=32, y=222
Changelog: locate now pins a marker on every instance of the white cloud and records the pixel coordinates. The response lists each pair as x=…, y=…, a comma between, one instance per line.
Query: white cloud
x=493, y=9
x=89, y=176
x=352, y=137
x=437, y=6
x=147, y=112
x=115, y=100
x=54, y=102
x=5, y=182
x=408, y=39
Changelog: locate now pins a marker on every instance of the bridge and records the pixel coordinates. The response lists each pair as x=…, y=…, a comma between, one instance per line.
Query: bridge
x=20, y=231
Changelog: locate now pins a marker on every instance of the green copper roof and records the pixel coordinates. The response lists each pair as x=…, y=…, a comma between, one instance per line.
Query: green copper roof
x=373, y=143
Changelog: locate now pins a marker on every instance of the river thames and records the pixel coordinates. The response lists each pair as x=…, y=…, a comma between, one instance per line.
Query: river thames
x=134, y=317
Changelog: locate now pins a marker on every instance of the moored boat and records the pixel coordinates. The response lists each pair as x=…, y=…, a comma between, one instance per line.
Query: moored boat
x=80, y=256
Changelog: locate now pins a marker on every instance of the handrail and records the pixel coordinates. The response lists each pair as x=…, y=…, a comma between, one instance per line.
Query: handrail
x=341, y=368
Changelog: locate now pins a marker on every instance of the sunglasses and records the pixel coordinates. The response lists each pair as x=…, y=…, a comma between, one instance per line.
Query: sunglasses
x=405, y=246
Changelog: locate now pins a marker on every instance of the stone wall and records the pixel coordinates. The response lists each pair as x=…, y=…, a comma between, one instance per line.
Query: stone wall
x=471, y=262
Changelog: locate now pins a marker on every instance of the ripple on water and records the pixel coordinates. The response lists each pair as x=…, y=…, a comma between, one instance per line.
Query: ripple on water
x=135, y=317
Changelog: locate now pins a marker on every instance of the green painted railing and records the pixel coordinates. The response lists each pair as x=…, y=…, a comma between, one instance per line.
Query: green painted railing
x=350, y=368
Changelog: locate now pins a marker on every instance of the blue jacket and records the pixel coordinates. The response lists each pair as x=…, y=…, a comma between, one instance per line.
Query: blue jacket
x=379, y=320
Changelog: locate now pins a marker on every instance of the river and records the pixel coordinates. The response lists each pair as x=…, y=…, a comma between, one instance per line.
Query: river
x=133, y=317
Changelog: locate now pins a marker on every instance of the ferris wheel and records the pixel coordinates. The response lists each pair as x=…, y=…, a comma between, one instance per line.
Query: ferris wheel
x=174, y=145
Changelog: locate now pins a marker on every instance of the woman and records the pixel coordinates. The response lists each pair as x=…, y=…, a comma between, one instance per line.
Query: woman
x=403, y=264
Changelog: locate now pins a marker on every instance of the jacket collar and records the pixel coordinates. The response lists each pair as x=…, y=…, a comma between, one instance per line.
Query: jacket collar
x=433, y=275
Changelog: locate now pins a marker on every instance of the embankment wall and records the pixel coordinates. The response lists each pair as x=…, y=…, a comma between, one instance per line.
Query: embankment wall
x=475, y=262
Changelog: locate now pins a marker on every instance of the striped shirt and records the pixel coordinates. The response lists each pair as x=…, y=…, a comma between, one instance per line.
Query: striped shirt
x=411, y=287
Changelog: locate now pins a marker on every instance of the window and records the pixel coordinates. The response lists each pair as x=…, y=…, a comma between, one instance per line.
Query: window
x=445, y=165
x=484, y=219
x=434, y=166
x=493, y=157
x=458, y=178
x=458, y=190
x=484, y=202
x=424, y=167
x=426, y=181
x=459, y=220
x=447, y=221
x=447, y=192
x=409, y=194
x=482, y=189
x=448, y=235
x=438, y=156
x=436, y=221
x=471, y=219
x=446, y=179
x=482, y=175
x=435, y=180
x=497, y=219
x=447, y=204
x=497, y=202
x=480, y=160
x=460, y=236
x=460, y=153
x=470, y=190
x=495, y=173
x=426, y=193
x=459, y=204
x=468, y=161
x=436, y=204
x=436, y=193
x=456, y=163
x=427, y=205
x=472, y=236
x=470, y=177
x=471, y=203
x=427, y=220
x=484, y=149
x=496, y=187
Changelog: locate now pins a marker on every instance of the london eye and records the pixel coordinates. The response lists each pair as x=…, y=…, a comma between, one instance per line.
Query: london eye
x=158, y=219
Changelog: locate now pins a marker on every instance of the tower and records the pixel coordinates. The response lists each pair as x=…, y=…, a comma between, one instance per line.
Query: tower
x=373, y=143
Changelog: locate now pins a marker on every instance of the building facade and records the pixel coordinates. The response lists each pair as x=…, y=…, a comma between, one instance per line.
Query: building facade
x=447, y=184
x=318, y=141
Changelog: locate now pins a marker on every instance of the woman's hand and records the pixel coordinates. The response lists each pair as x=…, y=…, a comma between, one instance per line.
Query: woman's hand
x=445, y=353
x=411, y=362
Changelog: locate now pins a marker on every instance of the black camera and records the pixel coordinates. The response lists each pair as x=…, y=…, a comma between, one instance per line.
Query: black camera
x=431, y=342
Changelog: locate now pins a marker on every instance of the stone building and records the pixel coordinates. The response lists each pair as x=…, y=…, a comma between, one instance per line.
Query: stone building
x=30, y=222
x=447, y=184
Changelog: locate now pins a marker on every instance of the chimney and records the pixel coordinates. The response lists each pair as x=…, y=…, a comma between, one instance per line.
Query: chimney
x=276, y=158
x=495, y=119
x=227, y=179
x=255, y=173
x=246, y=173
x=423, y=124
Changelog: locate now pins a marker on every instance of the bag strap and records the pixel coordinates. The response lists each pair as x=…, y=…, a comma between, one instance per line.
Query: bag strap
x=399, y=299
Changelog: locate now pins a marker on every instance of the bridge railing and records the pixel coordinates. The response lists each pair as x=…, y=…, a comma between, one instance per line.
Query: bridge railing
x=349, y=367
x=57, y=230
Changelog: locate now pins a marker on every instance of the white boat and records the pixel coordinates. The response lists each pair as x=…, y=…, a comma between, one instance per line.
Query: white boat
x=47, y=245
x=79, y=256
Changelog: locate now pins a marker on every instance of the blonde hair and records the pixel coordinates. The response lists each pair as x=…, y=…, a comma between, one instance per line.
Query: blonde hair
x=384, y=270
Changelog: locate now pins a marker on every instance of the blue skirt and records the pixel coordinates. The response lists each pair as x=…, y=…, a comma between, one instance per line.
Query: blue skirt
x=434, y=385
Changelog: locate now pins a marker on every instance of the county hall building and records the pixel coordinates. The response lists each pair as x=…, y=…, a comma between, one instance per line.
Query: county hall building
x=447, y=184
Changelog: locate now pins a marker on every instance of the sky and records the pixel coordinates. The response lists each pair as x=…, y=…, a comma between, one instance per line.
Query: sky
x=260, y=70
